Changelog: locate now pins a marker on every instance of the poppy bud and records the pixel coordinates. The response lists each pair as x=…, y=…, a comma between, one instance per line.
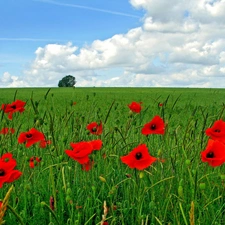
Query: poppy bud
x=202, y=186
x=222, y=176
x=141, y=175
x=102, y=179
x=188, y=162
x=68, y=191
x=180, y=191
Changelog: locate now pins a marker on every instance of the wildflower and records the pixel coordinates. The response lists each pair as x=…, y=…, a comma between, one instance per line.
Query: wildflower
x=82, y=150
x=96, y=144
x=217, y=131
x=31, y=137
x=52, y=203
x=138, y=158
x=155, y=126
x=7, y=172
x=17, y=106
x=34, y=161
x=95, y=128
x=7, y=130
x=44, y=143
x=135, y=107
x=214, y=154
x=160, y=104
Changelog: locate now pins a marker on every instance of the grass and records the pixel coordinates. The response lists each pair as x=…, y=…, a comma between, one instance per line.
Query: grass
x=181, y=190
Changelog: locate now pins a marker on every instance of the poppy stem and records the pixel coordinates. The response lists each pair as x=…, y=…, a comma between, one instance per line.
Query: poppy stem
x=15, y=214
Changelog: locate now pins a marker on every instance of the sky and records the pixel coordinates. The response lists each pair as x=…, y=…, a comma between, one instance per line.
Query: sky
x=113, y=43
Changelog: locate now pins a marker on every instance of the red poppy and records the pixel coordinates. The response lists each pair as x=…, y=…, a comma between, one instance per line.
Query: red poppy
x=17, y=106
x=80, y=152
x=34, y=161
x=214, y=154
x=138, y=158
x=7, y=172
x=160, y=104
x=217, y=131
x=7, y=130
x=135, y=107
x=83, y=149
x=31, y=137
x=87, y=166
x=95, y=128
x=155, y=126
x=96, y=144
x=44, y=143
x=52, y=203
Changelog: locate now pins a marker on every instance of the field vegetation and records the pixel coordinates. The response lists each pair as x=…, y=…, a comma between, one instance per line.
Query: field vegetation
x=53, y=188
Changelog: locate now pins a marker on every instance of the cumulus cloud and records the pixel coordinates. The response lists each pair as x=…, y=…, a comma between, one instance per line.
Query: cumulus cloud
x=181, y=43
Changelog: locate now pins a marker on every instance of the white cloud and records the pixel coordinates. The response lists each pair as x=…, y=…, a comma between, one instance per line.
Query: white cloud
x=181, y=43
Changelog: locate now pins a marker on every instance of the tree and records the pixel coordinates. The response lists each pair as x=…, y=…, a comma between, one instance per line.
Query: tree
x=67, y=81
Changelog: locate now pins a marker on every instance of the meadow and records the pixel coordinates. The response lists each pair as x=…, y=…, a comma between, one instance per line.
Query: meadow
x=178, y=188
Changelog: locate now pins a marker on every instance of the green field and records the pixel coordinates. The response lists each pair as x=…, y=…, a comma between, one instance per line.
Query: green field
x=176, y=189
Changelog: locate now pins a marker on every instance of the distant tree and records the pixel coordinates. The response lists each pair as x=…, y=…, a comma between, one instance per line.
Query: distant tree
x=67, y=81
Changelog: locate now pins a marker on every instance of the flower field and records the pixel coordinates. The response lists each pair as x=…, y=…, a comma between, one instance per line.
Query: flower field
x=118, y=156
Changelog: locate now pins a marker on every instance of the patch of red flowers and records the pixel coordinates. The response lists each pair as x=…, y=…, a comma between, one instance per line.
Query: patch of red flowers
x=82, y=150
x=17, y=106
x=214, y=154
x=7, y=172
x=155, y=126
x=6, y=130
x=31, y=137
x=135, y=107
x=217, y=131
x=139, y=158
x=95, y=128
x=34, y=161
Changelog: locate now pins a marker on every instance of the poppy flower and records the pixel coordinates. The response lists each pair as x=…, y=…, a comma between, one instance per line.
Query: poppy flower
x=82, y=150
x=34, y=161
x=160, y=104
x=138, y=158
x=95, y=128
x=7, y=130
x=155, y=126
x=52, y=203
x=135, y=107
x=44, y=143
x=214, y=154
x=31, y=137
x=96, y=144
x=7, y=172
x=17, y=106
x=217, y=131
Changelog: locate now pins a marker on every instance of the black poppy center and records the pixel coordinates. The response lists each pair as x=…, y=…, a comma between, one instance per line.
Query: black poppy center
x=210, y=155
x=29, y=135
x=94, y=129
x=13, y=106
x=217, y=130
x=153, y=127
x=2, y=172
x=138, y=155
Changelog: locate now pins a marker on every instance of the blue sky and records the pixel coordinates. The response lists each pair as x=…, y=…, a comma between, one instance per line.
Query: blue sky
x=112, y=42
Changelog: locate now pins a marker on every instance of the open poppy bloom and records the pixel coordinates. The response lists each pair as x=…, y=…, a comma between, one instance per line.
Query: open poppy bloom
x=155, y=126
x=138, y=158
x=7, y=130
x=31, y=137
x=95, y=128
x=17, y=106
x=217, y=131
x=135, y=107
x=214, y=154
x=7, y=172
x=82, y=150
x=34, y=161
